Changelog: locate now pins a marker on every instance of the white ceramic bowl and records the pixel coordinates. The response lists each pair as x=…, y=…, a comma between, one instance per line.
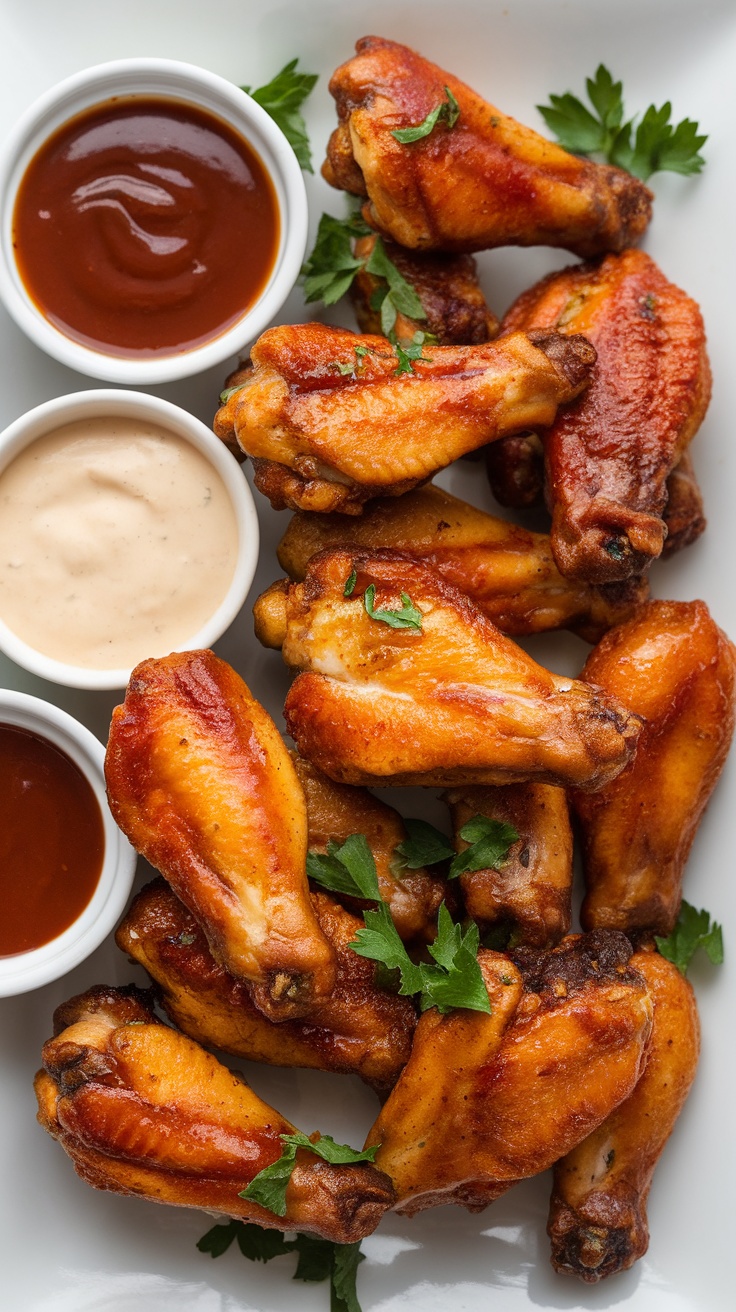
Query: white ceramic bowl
x=107, y=401
x=29, y=970
x=163, y=78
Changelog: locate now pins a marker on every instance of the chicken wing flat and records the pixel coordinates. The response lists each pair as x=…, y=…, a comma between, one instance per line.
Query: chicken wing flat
x=142, y=1110
x=598, y=1221
x=486, y=181
x=673, y=666
x=530, y=893
x=359, y=1030
x=199, y=779
x=485, y=1101
x=443, y=700
x=330, y=421
x=509, y=572
x=608, y=457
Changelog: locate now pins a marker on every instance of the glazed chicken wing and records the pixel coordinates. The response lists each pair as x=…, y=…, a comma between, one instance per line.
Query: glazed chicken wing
x=598, y=1221
x=486, y=181
x=447, y=700
x=330, y=421
x=485, y=1101
x=142, y=1110
x=199, y=779
x=683, y=512
x=674, y=667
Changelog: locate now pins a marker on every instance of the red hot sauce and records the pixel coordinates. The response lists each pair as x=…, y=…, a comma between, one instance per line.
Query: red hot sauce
x=145, y=226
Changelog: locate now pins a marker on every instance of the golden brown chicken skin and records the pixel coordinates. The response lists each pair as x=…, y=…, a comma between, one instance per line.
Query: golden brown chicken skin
x=683, y=513
x=530, y=893
x=488, y=181
x=323, y=440
x=673, y=666
x=485, y=1101
x=199, y=779
x=598, y=1220
x=609, y=456
x=453, y=702
x=508, y=571
x=143, y=1110
x=359, y=1030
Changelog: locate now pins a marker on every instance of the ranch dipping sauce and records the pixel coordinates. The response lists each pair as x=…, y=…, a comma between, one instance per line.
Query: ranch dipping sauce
x=118, y=540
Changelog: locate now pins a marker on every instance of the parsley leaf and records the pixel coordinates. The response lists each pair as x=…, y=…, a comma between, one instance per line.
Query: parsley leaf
x=282, y=98
x=379, y=941
x=350, y=583
x=448, y=111
x=406, y=618
x=268, y=1187
x=229, y=391
x=693, y=930
x=255, y=1243
x=423, y=846
x=653, y=146
x=317, y=1259
x=345, y=1262
x=329, y=270
x=406, y=355
x=349, y=869
x=489, y=840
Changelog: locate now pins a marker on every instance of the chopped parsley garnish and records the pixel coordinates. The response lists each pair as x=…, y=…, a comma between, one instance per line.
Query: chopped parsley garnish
x=282, y=98
x=317, y=1259
x=268, y=1187
x=406, y=618
x=651, y=146
x=448, y=111
x=406, y=355
x=349, y=869
x=693, y=930
x=489, y=840
x=330, y=269
x=229, y=391
x=423, y=846
x=350, y=583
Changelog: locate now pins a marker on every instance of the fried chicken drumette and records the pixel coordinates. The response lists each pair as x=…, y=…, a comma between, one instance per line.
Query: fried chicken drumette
x=485, y=181
x=143, y=1110
x=331, y=419
x=673, y=666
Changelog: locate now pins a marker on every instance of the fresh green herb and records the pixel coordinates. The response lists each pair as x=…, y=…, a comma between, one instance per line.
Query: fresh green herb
x=406, y=618
x=255, y=1243
x=317, y=1259
x=330, y=269
x=349, y=869
x=398, y=296
x=406, y=355
x=282, y=98
x=229, y=391
x=489, y=840
x=347, y=369
x=362, y=351
x=268, y=1187
x=653, y=146
x=350, y=583
x=346, y=1259
x=423, y=846
x=448, y=111
x=693, y=930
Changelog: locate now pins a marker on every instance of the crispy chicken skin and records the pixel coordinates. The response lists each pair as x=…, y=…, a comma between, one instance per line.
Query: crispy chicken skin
x=143, y=1110
x=531, y=892
x=506, y=570
x=485, y=1101
x=199, y=779
x=488, y=181
x=322, y=440
x=674, y=667
x=609, y=456
x=683, y=513
x=598, y=1221
x=453, y=703
x=359, y=1030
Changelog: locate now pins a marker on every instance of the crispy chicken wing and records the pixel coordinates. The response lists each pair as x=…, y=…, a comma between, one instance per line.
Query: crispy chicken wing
x=487, y=181
x=598, y=1221
x=142, y=1110
x=674, y=667
x=530, y=893
x=199, y=779
x=485, y=1101
x=450, y=702
x=360, y=1029
x=328, y=429
x=683, y=512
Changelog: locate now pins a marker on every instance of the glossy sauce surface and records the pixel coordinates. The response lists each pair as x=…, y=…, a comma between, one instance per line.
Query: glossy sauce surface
x=145, y=226
x=52, y=841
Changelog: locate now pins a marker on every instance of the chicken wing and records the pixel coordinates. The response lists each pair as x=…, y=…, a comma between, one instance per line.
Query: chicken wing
x=683, y=512
x=674, y=667
x=531, y=891
x=199, y=779
x=486, y=181
x=598, y=1221
x=331, y=421
x=360, y=1029
x=446, y=700
x=142, y=1110
x=485, y=1101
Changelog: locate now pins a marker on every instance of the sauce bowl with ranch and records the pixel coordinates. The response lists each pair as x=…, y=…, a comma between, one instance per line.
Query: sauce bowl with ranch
x=127, y=530
x=153, y=220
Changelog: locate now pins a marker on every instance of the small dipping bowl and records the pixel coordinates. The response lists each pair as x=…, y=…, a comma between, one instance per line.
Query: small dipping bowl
x=182, y=85
x=104, y=404
x=29, y=970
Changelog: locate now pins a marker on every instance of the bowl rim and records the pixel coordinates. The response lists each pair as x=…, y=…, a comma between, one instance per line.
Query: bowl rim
x=30, y=970
x=59, y=410
x=175, y=80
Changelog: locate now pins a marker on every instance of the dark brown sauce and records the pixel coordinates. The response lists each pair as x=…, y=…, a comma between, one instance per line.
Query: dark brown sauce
x=52, y=841
x=145, y=226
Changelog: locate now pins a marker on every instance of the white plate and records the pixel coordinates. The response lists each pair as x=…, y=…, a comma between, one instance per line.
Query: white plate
x=69, y=1249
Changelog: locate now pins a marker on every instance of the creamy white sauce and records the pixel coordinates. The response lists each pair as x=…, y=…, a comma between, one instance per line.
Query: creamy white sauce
x=118, y=540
